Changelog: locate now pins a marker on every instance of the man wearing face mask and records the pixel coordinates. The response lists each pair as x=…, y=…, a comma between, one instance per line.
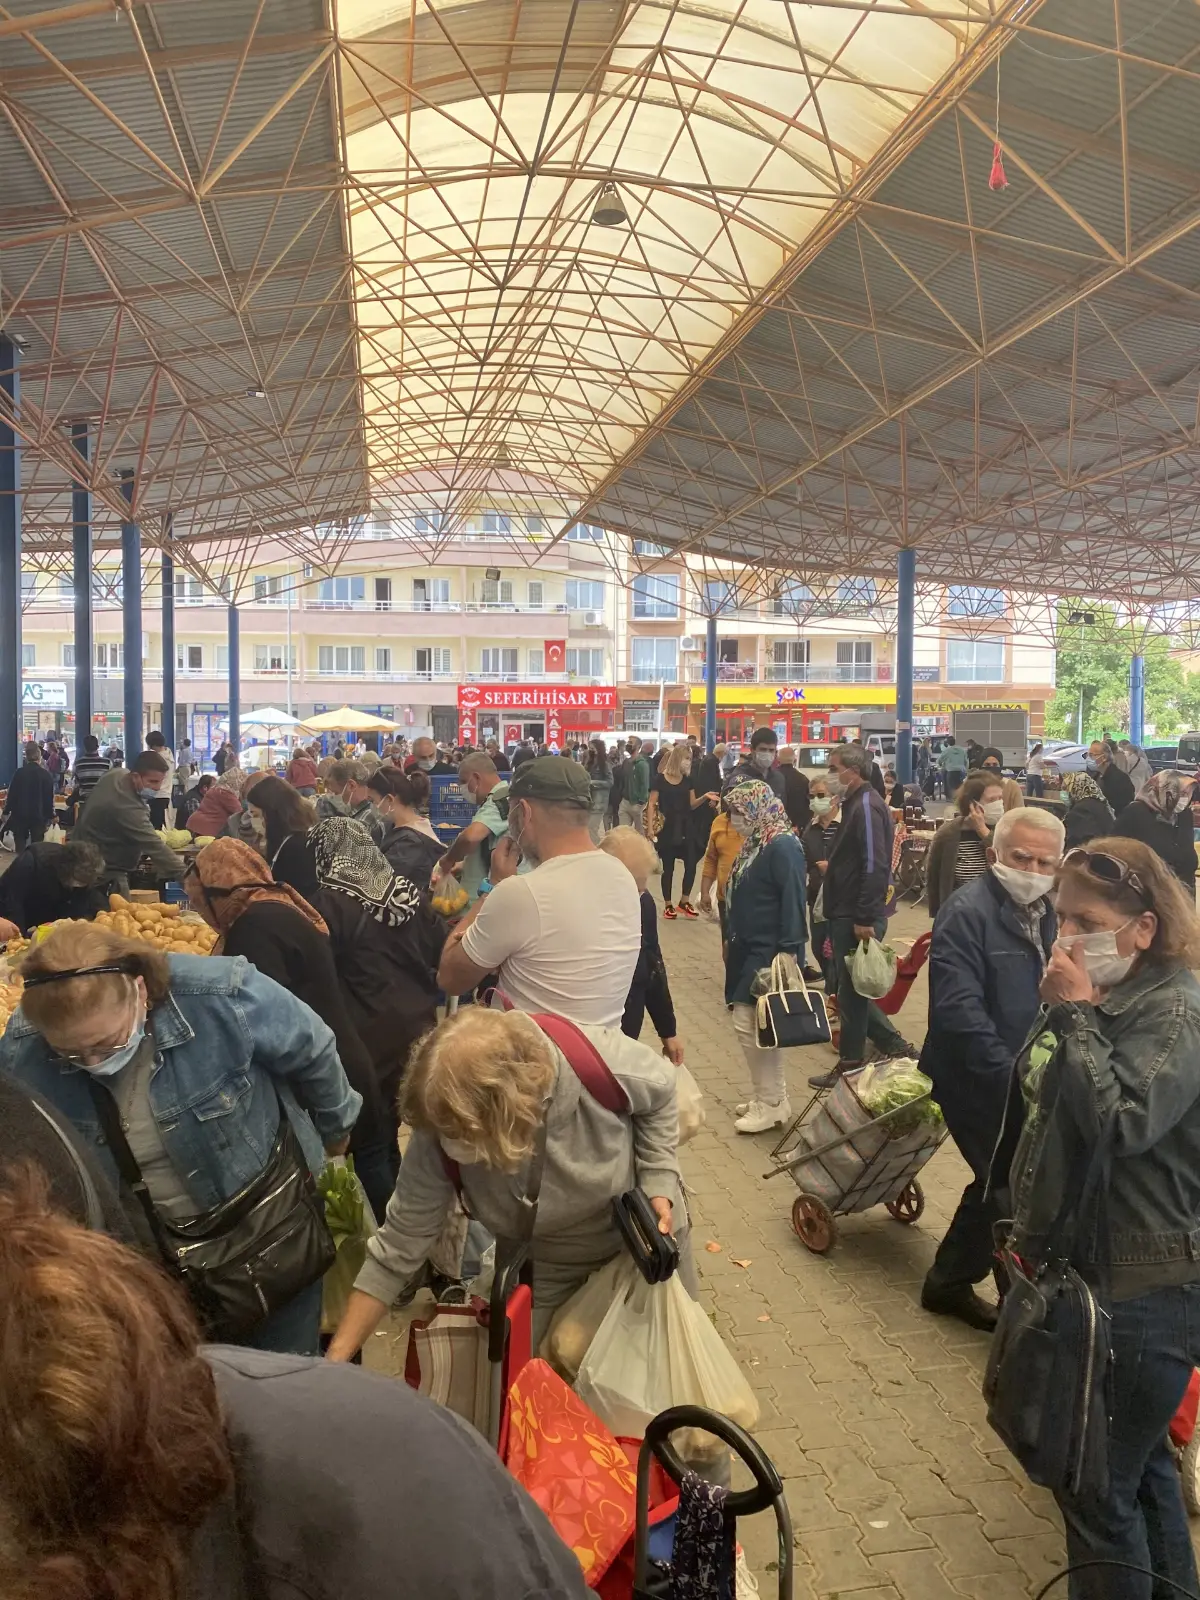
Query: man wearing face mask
x=1116, y=786
x=759, y=762
x=117, y=822
x=635, y=786
x=991, y=946
x=489, y=795
x=424, y=756
x=564, y=937
x=958, y=854
x=346, y=795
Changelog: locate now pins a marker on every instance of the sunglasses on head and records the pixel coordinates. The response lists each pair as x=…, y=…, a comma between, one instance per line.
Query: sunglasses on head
x=1110, y=870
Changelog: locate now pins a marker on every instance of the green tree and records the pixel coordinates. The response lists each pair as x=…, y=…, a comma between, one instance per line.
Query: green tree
x=1092, y=674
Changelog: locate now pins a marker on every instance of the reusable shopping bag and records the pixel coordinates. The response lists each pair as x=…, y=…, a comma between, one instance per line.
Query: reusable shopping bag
x=351, y=1221
x=872, y=968
x=690, y=1100
x=654, y=1349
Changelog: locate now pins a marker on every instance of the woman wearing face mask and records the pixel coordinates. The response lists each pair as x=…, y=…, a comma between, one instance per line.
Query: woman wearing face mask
x=818, y=841
x=285, y=819
x=766, y=900
x=959, y=850
x=1089, y=815
x=222, y=802
x=1114, y=1057
x=409, y=843
x=201, y=1056
x=673, y=799
x=1161, y=817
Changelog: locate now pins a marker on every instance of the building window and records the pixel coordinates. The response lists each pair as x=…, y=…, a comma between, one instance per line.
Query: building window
x=66, y=588
x=590, y=663
x=854, y=658
x=585, y=530
x=497, y=592
x=383, y=658
x=975, y=660
x=789, y=662
x=188, y=590
x=110, y=657
x=189, y=657
x=430, y=592
x=537, y=663
x=29, y=655
x=656, y=595
x=383, y=594
x=537, y=594
x=654, y=660
x=646, y=547
x=342, y=659
x=433, y=662
x=434, y=522
x=270, y=590
x=498, y=662
x=223, y=660
x=718, y=596
x=272, y=658
x=496, y=523
x=107, y=585
x=68, y=655
x=856, y=594
x=534, y=525
x=584, y=594
x=971, y=602
x=791, y=598
x=341, y=592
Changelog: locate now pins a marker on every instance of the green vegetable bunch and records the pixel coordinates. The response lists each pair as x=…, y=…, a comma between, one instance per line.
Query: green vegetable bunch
x=896, y=1085
x=343, y=1197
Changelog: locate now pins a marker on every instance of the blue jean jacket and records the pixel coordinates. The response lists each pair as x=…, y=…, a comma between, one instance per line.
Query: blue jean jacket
x=230, y=1046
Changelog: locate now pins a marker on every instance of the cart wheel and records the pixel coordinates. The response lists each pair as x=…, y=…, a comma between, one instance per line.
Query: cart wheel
x=1189, y=1474
x=814, y=1224
x=908, y=1204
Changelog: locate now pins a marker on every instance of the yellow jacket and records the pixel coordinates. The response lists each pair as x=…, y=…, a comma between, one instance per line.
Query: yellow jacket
x=724, y=842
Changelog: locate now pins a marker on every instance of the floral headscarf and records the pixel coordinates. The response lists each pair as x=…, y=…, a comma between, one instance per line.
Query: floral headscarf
x=1082, y=786
x=763, y=809
x=233, y=878
x=1167, y=794
x=347, y=859
x=234, y=779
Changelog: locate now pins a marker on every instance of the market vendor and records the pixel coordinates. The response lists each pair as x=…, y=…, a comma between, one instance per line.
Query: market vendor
x=48, y=882
x=116, y=821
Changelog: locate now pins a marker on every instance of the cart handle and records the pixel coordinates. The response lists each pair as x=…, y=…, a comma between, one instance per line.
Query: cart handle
x=767, y=1491
x=847, y=1138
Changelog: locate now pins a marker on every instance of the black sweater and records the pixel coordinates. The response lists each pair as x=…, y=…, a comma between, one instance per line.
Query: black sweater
x=1174, y=841
x=31, y=796
x=650, y=990
x=30, y=891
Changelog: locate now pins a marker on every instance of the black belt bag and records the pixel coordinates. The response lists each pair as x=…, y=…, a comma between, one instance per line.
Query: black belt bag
x=248, y=1256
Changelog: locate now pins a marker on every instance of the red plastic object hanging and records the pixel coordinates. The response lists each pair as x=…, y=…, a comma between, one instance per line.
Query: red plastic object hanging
x=998, y=178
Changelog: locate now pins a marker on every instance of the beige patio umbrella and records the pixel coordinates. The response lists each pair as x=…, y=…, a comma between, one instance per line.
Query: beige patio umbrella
x=346, y=720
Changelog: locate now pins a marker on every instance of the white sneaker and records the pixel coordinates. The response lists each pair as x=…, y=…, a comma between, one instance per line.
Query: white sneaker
x=746, y=1584
x=761, y=1116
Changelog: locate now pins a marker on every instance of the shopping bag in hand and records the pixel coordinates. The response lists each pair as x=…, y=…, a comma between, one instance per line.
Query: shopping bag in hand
x=351, y=1221
x=872, y=969
x=578, y=1320
x=656, y=1348
x=690, y=1100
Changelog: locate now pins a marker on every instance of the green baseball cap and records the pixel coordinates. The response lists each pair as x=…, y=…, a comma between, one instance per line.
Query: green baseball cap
x=553, y=778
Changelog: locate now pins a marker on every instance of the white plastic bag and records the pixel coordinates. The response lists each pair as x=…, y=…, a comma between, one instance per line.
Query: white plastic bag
x=688, y=1096
x=872, y=969
x=576, y=1322
x=55, y=835
x=656, y=1348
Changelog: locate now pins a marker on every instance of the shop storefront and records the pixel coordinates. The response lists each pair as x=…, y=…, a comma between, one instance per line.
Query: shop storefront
x=799, y=714
x=546, y=713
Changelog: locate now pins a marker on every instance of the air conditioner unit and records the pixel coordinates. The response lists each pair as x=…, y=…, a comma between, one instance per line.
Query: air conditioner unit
x=593, y=619
x=690, y=642
x=492, y=574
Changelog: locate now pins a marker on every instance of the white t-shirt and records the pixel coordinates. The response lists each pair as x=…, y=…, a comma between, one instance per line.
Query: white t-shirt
x=564, y=938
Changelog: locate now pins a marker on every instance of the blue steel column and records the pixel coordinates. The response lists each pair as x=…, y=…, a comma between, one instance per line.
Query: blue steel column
x=710, y=686
x=235, y=679
x=81, y=555
x=906, y=595
x=131, y=607
x=10, y=560
x=1137, y=699
x=168, y=641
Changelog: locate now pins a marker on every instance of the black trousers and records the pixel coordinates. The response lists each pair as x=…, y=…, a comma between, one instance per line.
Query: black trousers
x=680, y=848
x=973, y=1115
x=28, y=833
x=158, y=811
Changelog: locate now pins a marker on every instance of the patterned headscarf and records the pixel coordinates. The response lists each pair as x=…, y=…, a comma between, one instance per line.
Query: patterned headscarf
x=234, y=878
x=348, y=860
x=1165, y=794
x=234, y=779
x=763, y=809
x=1082, y=786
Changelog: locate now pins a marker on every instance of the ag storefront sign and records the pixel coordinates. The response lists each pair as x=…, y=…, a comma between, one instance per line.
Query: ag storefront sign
x=555, y=702
x=44, y=695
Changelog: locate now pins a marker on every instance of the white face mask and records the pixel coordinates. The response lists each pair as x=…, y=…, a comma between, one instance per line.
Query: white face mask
x=820, y=804
x=764, y=758
x=1104, y=962
x=741, y=825
x=1021, y=886
x=458, y=1150
x=992, y=812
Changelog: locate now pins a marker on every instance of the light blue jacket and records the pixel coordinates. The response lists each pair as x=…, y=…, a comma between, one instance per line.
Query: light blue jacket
x=230, y=1046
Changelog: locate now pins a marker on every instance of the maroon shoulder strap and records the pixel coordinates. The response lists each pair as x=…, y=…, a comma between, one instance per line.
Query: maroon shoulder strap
x=585, y=1062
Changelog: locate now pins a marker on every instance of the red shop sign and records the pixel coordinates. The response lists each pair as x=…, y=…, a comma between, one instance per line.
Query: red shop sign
x=512, y=697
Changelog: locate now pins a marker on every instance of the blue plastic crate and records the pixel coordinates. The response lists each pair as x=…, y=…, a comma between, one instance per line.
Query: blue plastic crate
x=450, y=806
x=173, y=893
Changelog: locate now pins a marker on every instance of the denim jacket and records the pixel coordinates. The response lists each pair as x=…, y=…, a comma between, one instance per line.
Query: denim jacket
x=228, y=1041
x=1133, y=1059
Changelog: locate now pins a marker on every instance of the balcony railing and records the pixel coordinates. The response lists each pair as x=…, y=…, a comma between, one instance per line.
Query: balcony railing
x=827, y=672
x=727, y=672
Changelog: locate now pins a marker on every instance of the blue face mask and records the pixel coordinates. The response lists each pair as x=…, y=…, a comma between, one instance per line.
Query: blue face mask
x=1093, y=767
x=121, y=1057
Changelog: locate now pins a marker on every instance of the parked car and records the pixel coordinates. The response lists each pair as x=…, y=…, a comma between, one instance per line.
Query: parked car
x=1065, y=758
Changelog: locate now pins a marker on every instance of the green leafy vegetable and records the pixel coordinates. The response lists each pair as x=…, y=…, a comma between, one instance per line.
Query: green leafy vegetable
x=894, y=1085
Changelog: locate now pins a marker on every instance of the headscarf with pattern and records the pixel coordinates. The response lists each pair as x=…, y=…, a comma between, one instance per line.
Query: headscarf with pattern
x=1082, y=786
x=347, y=859
x=1167, y=794
x=763, y=809
x=233, y=878
x=233, y=778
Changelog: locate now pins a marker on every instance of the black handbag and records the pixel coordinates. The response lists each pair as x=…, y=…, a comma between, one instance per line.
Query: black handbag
x=789, y=1017
x=1049, y=1372
x=248, y=1256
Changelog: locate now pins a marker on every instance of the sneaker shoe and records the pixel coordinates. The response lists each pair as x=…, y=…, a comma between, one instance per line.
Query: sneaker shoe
x=688, y=909
x=670, y=912
x=826, y=1080
x=761, y=1116
x=811, y=975
x=745, y=1583
x=961, y=1301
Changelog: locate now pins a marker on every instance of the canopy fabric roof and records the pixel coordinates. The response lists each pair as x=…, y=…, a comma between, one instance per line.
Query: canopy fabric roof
x=347, y=720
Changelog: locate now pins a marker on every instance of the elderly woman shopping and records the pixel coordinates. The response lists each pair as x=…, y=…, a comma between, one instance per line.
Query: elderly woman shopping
x=492, y=1097
x=766, y=914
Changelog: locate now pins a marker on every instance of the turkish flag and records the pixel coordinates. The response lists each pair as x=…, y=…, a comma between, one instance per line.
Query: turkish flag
x=556, y=655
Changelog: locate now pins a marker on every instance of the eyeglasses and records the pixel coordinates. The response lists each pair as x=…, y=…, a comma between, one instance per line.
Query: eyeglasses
x=1107, y=869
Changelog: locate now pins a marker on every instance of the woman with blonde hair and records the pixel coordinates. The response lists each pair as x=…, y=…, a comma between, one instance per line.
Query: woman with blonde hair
x=497, y=1105
x=200, y=1066
x=1111, y=1074
x=673, y=799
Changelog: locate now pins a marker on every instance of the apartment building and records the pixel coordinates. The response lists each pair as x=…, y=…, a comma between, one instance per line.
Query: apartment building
x=501, y=632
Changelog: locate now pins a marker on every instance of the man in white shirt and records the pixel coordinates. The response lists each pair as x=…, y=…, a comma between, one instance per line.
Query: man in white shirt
x=566, y=936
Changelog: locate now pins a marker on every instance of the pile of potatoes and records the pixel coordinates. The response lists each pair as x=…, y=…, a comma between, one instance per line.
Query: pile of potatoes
x=10, y=999
x=161, y=926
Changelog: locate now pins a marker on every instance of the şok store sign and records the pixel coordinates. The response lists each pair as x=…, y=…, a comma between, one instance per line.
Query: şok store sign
x=560, y=707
